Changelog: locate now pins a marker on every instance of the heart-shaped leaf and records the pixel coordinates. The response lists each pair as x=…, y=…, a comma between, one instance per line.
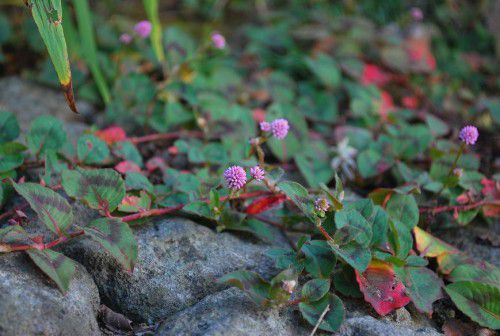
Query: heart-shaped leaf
x=52, y=209
x=46, y=133
x=55, y=265
x=423, y=286
x=117, y=238
x=101, y=189
x=320, y=260
x=315, y=289
x=334, y=316
x=381, y=288
x=250, y=282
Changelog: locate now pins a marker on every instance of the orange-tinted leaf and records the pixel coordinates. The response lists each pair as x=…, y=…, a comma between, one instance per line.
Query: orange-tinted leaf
x=265, y=203
x=127, y=166
x=111, y=134
x=381, y=288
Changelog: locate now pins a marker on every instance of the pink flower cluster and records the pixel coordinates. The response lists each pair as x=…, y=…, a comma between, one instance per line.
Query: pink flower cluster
x=142, y=29
x=279, y=128
x=218, y=40
x=236, y=176
x=469, y=135
x=321, y=205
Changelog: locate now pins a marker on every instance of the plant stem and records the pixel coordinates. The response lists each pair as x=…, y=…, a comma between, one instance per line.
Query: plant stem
x=165, y=136
x=280, y=226
x=453, y=166
x=465, y=207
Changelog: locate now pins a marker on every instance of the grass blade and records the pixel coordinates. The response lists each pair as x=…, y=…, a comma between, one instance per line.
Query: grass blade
x=85, y=27
x=151, y=7
x=48, y=18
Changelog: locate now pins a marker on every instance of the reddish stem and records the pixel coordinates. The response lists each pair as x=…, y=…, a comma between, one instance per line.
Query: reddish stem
x=294, y=302
x=43, y=246
x=445, y=208
x=324, y=233
x=165, y=136
x=151, y=213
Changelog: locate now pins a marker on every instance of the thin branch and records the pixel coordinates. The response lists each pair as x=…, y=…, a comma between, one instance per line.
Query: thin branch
x=323, y=314
x=165, y=136
x=465, y=207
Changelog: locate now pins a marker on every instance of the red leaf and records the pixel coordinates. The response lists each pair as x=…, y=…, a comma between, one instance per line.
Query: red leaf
x=156, y=163
x=410, y=102
x=373, y=74
x=386, y=104
x=381, y=288
x=111, y=134
x=265, y=203
x=491, y=188
x=127, y=166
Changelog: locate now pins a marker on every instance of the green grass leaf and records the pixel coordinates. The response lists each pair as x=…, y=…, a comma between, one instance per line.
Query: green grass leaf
x=47, y=15
x=117, y=238
x=86, y=30
x=151, y=7
x=56, y=266
x=52, y=209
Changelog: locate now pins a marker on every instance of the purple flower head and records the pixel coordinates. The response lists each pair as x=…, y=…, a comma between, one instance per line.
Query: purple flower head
x=321, y=204
x=280, y=128
x=126, y=39
x=469, y=135
x=143, y=28
x=218, y=40
x=416, y=14
x=265, y=126
x=235, y=177
x=257, y=173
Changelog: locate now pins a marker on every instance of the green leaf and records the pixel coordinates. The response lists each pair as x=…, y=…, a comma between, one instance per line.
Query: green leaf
x=315, y=289
x=345, y=282
x=99, y=188
x=484, y=273
x=56, y=266
x=423, y=286
x=333, y=318
x=356, y=225
x=92, y=150
x=52, y=209
x=367, y=163
x=11, y=156
x=479, y=301
x=326, y=70
x=404, y=209
x=48, y=18
x=414, y=260
x=137, y=181
x=9, y=127
x=320, y=261
x=299, y=195
x=250, y=282
x=46, y=133
x=85, y=27
x=354, y=254
x=116, y=237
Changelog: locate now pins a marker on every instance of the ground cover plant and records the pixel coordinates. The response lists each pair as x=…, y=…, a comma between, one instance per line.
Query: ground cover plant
x=356, y=131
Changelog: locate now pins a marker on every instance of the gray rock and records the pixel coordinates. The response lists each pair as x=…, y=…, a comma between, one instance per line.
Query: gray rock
x=231, y=312
x=370, y=326
x=30, y=304
x=179, y=263
x=28, y=101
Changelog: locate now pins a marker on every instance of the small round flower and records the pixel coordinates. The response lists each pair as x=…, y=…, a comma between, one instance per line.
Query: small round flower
x=417, y=14
x=235, y=177
x=458, y=172
x=218, y=40
x=126, y=39
x=280, y=128
x=265, y=126
x=143, y=28
x=321, y=204
x=257, y=173
x=469, y=135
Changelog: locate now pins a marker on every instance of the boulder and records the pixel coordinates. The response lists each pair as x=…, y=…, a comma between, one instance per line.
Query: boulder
x=178, y=265
x=31, y=304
